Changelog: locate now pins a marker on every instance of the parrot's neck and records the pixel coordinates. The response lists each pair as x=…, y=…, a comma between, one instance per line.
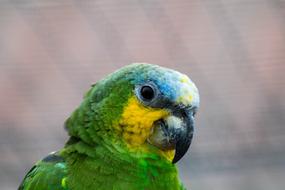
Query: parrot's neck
x=100, y=164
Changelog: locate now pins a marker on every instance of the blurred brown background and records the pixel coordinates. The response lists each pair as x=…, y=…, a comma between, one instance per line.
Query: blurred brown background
x=234, y=50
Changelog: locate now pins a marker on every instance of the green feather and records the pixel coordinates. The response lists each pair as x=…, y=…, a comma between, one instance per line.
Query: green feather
x=47, y=174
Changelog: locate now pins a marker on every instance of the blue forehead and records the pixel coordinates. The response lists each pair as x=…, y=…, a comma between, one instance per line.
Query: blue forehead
x=167, y=81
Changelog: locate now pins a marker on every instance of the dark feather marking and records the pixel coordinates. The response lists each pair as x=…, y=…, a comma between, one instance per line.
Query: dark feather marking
x=21, y=187
x=72, y=140
x=53, y=158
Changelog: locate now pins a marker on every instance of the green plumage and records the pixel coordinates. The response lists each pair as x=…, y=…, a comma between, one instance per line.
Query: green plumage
x=46, y=174
x=96, y=156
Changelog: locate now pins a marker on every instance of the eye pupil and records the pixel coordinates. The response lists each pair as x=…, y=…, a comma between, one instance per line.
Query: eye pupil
x=147, y=92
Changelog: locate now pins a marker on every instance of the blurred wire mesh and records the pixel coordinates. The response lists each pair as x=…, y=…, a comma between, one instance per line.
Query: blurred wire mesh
x=51, y=51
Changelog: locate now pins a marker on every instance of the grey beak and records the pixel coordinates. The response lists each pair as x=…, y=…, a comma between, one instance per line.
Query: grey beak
x=184, y=139
x=174, y=132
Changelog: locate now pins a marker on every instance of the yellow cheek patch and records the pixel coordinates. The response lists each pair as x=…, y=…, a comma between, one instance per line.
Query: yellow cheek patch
x=137, y=120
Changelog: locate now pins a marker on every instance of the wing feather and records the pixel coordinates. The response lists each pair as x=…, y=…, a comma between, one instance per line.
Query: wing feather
x=48, y=174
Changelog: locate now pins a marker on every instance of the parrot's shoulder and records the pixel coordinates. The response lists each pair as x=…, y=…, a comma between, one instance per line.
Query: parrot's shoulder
x=48, y=174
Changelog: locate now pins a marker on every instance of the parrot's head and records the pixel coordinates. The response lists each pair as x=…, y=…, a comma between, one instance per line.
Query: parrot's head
x=142, y=108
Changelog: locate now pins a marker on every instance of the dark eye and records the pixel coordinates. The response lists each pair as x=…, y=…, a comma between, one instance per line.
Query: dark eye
x=147, y=92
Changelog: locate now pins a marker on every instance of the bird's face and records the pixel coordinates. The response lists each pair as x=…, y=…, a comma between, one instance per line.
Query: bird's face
x=159, y=112
x=145, y=108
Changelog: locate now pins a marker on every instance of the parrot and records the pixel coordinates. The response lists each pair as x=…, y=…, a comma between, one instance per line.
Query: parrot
x=128, y=133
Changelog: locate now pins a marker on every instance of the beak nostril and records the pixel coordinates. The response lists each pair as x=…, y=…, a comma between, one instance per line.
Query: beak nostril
x=184, y=114
x=188, y=112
